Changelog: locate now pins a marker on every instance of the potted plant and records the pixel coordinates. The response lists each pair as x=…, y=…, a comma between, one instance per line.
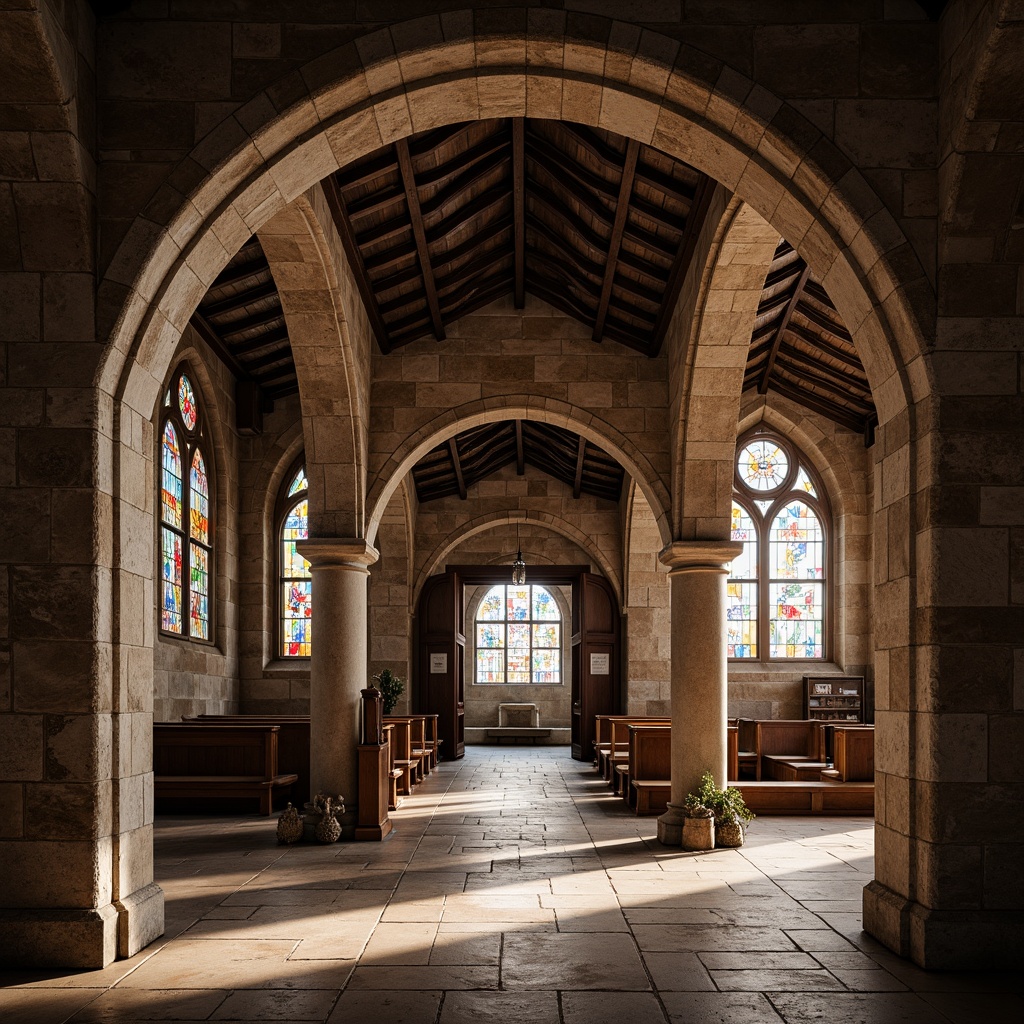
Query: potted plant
x=729, y=808
x=391, y=688
x=698, y=824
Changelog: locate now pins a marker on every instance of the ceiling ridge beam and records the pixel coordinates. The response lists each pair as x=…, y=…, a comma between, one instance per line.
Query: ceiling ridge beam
x=615, y=241
x=694, y=222
x=419, y=233
x=336, y=203
x=580, y=455
x=762, y=386
x=519, y=208
x=453, y=449
x=520, y=454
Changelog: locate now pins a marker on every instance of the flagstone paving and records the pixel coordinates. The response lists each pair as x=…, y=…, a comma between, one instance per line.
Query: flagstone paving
x=516, y=887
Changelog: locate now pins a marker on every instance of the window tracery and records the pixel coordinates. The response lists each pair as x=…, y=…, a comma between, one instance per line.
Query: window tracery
x=295, y=582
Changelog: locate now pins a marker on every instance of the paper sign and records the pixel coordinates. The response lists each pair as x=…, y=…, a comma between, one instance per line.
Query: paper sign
x=600, y=664
x=438, y=664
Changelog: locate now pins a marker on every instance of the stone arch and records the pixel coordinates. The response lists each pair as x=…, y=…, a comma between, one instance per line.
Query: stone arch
x=716, y=349
x=331, y=356
x=495, y=519
x=525, y=407
x=433, y=71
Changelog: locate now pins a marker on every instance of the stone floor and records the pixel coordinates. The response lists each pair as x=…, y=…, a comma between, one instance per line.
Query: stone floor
x=516, y=888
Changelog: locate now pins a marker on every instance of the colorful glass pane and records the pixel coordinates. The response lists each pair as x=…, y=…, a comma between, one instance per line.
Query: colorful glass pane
x=296, y=585
x=763, y=465
x=493, y=604
x=199, y=592
x=804, y=483
x=199, y=499
x=518, y=665
x=170, y=581
x=519, y=634
x=296, y=601
x=167, y=398
x=545, y=635
x=518, y=603
x=490, y=634
x=187, y=403
x=796, y=544
x=741, y=619
x=744, y=566
x=296, y=527
x=170, y=477
x=546, y=667
x=544, y=605
x=298, y=483
x=797, y=623
x=490, y=666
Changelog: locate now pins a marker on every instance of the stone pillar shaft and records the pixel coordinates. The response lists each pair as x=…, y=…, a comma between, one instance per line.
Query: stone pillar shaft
x=337, y=671
x=698, y=571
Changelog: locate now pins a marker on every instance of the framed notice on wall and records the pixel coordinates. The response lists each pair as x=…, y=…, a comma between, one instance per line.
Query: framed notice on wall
x=600, y=664
x=438, y=664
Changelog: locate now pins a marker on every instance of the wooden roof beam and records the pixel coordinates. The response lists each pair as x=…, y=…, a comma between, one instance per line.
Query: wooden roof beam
x=762, y=386
x=694, y=222
x=332, y=192
x=580, y=453
x=206, y=331
x=519, y=207
x=615, y=242
x=453, y=449
x=520, y=456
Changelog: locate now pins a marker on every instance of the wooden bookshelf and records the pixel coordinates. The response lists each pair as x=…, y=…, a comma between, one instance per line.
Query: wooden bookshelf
x=834, y=698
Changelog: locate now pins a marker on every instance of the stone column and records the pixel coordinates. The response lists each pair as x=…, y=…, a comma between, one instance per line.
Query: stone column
x=697, y=575
x=338, y=664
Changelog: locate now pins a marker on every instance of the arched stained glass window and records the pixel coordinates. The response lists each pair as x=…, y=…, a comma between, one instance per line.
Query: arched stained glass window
x=518, y=636
x=777, y=591
x=186, y=536
x=295, y=583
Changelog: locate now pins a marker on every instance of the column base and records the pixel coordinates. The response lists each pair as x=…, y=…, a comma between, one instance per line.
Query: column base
x=670, y=826
x=60, y=938
x=140, y=919
x=943, y=940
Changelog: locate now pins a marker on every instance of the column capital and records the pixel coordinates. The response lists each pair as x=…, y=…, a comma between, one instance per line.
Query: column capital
x=337, y=552
x=710, y=555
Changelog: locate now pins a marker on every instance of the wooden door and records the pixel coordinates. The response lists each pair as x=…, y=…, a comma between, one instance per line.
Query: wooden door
x=441, y=644
x=595, y=660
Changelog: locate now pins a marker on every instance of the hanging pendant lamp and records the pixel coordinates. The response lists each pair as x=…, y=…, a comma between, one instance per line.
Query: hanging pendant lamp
x=518, y=566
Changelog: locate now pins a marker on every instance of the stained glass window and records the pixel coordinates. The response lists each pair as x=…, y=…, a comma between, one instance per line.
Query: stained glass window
x=518, y=636
x=295, y=581
x=186, y=552
x=777, y=589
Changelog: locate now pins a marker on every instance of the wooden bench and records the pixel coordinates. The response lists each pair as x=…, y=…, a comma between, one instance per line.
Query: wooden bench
x=746, y=747
x=773, y=797
x=618, y=751
x=854, y=753
x=218, y=760
x=404, y=760
x=781, y=740
x=394, y=773
x=649, y=770
x=292, y=744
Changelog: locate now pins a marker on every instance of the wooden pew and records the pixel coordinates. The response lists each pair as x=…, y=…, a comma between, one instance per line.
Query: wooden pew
x=772, y=797
x=649, y=769
x=746, y=743
x=618, y=752
x=218, y=760
x=431, y=740
x=402, y=736
x=292, y=744
x=394, y=773
x=781, y=744
x=854, y=751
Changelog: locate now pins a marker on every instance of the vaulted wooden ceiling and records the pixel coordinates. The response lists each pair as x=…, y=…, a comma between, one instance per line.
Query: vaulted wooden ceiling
x=241, y=319
x=801, y=348
x=440, y=224
x=451, y=468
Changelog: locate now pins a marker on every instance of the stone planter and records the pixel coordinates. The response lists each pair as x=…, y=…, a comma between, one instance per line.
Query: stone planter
x=698, y=833
x=729, y=834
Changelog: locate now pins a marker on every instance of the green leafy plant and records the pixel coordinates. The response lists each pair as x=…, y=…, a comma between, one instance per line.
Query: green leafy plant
x=727, y=804
x=391, y=688
x=694, y=807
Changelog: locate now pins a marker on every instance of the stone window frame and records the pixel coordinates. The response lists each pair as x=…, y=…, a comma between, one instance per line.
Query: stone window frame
x=564, y=637
x=196, y=439
x=282, y=509
x=745, y=497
